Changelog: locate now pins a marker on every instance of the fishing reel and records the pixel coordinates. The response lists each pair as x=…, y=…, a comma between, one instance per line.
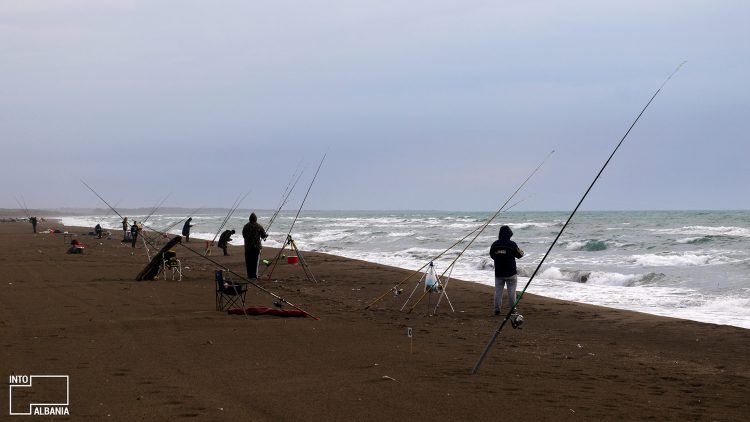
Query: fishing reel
x=278, y=304
x=396, y=291
x=516, y=321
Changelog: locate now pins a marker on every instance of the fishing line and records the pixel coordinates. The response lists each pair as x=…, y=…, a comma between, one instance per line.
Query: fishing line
x=497, y=331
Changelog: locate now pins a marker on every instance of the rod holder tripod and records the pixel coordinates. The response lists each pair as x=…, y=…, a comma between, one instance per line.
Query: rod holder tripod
x=293, y=246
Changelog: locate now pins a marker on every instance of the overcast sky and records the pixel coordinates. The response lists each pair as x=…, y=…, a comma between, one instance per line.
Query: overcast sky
x=444, y=105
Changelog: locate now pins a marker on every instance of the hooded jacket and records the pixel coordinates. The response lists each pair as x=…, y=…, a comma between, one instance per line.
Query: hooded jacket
x=252, y=233
x=504, y=252
x=186, y=227
x=225, y=238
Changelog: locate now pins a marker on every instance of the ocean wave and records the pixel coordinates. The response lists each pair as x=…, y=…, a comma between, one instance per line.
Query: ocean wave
x=588, y=245
x=685, y=259
x=401, y=234
x=730, y=231
x=601, y=277
x=522, y=226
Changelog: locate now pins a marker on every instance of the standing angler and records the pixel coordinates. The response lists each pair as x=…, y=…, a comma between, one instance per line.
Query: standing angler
x=33, y=220
x=186, y=229
x=253, y=233
x=504, y=252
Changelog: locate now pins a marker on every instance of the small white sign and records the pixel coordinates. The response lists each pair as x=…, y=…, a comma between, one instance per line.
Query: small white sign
x=23, y=386
x=408, y=332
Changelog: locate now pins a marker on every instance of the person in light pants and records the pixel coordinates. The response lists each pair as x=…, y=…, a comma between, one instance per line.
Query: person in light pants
x=504, y=253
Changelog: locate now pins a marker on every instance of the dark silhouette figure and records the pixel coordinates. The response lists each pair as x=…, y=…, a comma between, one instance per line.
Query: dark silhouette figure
x=33, y=221
x=224, y=240
x=186, y=229
x=253, y=233
x=134, y=229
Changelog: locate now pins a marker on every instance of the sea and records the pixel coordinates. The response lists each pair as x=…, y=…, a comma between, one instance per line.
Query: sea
x=693, y=265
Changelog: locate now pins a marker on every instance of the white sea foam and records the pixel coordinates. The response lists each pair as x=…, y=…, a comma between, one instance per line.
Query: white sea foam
x=707, y=231
x=678, y=260
x=579, y=270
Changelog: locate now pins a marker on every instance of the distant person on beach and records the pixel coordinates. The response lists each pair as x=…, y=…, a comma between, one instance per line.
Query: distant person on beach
x=124, y=229
x=224, y=240
x=504, y=253
x=186, y=229
x=253, y=233
x=32, y=220
x=134, y=229
x=98, y=231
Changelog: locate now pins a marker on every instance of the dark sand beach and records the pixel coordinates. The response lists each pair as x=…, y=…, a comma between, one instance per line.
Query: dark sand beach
x=160, y=351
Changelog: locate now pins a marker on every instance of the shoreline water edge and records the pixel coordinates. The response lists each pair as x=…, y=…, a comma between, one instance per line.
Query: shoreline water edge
x=685, y=264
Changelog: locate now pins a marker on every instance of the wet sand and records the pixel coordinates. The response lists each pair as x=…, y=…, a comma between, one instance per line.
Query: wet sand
x=160, y=351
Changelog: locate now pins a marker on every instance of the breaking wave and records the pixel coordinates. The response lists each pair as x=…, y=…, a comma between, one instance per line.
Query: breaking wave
x=686, y=259
x=601, y=277
x=589, y=245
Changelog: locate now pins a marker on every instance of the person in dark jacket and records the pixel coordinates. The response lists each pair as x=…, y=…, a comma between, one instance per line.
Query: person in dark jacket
x=98, y=230
x=224, y=240
x=253, y=233
x=504, y=253
x=134, y=229
x=186, y=229
x=32, y=220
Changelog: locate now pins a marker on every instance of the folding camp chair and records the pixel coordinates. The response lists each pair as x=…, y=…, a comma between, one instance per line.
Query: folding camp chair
x=170, y=262
x=228, y=293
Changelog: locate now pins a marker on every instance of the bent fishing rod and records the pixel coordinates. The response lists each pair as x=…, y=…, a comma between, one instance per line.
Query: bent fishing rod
x=259, y=287
x=288, y=237
x=487, y=223
x=497, y=331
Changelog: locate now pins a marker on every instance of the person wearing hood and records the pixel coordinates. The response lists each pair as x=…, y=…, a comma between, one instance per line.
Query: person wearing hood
x=504, y=253
x=186, y=229
x=253, y=233
x=224, y=240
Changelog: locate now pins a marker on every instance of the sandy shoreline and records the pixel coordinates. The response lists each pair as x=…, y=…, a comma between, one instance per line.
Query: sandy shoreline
x=158, y=350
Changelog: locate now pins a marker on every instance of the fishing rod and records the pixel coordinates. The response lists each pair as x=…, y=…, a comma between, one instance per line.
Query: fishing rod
x=24, y=209
x=489, y=220
x=480, y=228
x=171, y=226
x=497, y=331
x=288, y=237
x=445, y=286
x=103, y=200
x=285, y=198
x=223, y=224
x=155, y=208
x=261, y=288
